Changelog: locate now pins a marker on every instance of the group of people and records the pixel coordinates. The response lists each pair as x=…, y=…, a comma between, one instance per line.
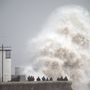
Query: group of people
x=44, y=79
x=31, y=78
x=62, y=79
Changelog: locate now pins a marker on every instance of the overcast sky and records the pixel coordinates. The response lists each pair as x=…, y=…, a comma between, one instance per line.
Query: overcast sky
x=21, y=20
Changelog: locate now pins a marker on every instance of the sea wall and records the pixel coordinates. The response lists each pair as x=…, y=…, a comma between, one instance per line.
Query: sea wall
x=45, y=85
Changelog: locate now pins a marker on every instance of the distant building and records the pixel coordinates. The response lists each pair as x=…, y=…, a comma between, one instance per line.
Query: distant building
x=18, y=78
x=19, y=71
x=5, y=64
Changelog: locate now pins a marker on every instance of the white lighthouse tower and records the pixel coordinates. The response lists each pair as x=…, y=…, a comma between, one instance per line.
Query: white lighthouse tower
x=5, y=64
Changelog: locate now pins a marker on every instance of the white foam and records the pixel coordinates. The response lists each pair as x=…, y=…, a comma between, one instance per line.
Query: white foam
x=63, y=46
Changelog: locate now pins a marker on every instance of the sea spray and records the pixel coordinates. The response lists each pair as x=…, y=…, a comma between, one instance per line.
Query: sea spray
x=63, y=46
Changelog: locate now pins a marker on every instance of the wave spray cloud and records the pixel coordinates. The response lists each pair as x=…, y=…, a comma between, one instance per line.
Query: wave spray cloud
x=62, y=48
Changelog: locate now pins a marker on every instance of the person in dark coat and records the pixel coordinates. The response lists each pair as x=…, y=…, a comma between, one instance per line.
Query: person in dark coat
x=47, y=79
x=61, y=79
x=32, y=78
x=65, y=79
x=58, y=79
x=43, y=78
x=38, y=79
x=51, y=79
x=29, y=78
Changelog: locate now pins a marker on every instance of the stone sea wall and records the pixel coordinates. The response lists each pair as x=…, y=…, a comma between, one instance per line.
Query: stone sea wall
x=40, y=85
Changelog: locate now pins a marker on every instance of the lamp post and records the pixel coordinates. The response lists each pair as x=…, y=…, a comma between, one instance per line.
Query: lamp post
x=2, y=62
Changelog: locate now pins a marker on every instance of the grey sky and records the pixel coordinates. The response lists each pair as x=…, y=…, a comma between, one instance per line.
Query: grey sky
x=21, y=20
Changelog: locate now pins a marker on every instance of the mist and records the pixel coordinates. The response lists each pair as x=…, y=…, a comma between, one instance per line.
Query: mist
x=62, y=47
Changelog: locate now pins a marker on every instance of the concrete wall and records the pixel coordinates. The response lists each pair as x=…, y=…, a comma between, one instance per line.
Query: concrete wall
x=45, y=85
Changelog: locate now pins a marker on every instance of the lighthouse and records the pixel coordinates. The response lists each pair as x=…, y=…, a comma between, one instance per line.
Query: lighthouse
x=5, y=64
